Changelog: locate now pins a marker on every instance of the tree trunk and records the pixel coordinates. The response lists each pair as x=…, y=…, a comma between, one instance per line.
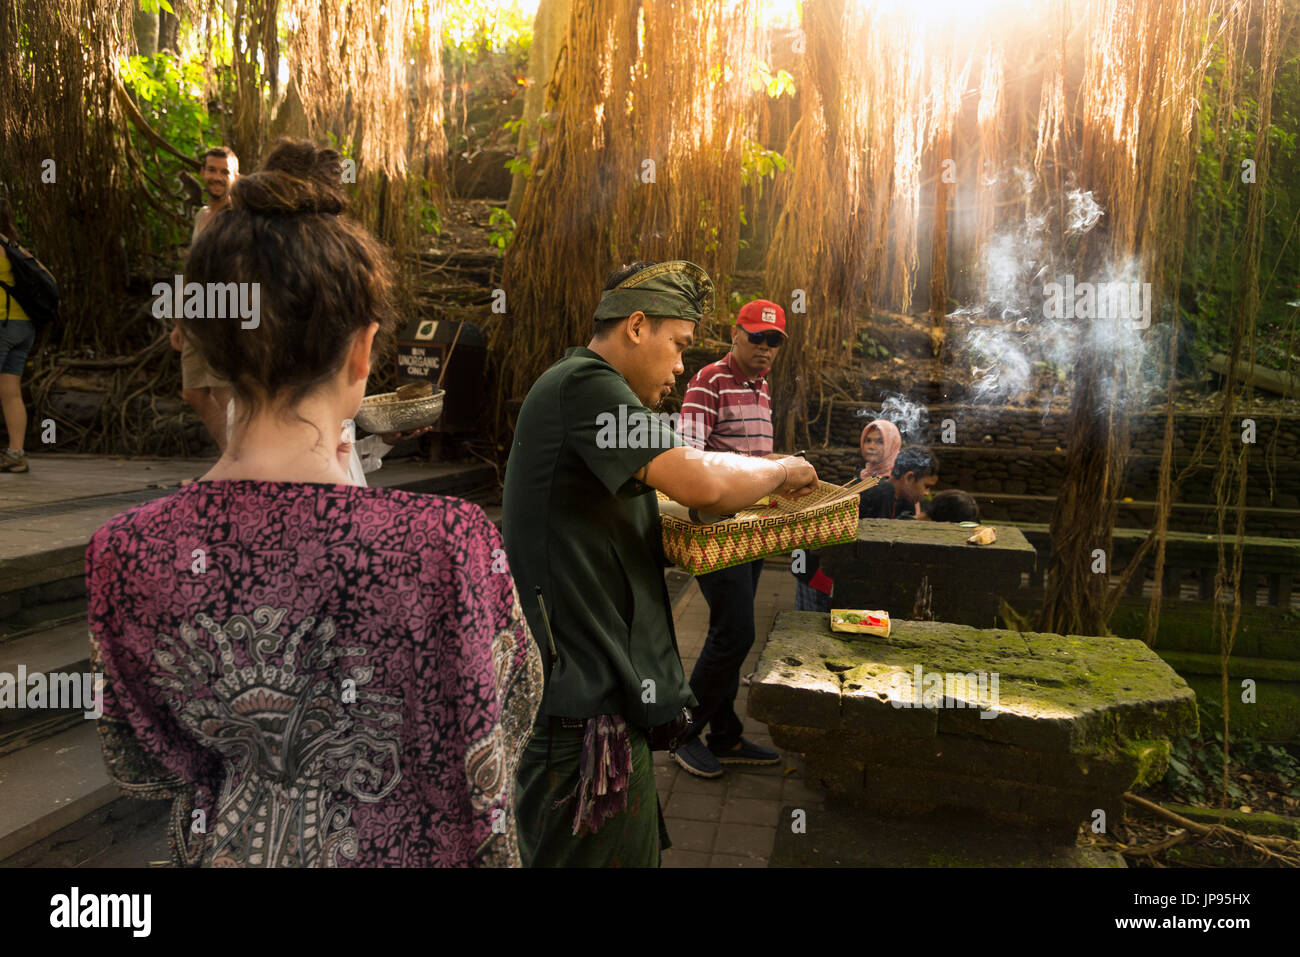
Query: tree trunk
x=169, y=29
x=939, y=243
x=1078, y=573
x=549, y=26
x=146, y=31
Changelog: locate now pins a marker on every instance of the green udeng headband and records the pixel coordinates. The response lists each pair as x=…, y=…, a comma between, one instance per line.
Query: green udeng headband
x=679, y=289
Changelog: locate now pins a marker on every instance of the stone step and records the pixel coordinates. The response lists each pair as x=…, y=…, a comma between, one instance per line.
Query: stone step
x=42, y=563
x=43, y=616
x=146, y=846
x=64, y=649
x=124, y=832
x=50, y=785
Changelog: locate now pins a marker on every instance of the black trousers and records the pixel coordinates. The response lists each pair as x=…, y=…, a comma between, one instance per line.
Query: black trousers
x=715, y=679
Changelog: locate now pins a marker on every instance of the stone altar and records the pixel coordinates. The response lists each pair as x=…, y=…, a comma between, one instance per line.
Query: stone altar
x=949, y=744
x=883, y=569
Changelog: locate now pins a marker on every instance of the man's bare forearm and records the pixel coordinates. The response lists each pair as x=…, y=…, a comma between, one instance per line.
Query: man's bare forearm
x=742, y=479
x=719, y=481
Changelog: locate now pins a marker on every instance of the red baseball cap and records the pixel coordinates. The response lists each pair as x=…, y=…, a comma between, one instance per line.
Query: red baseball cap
x=760, y=315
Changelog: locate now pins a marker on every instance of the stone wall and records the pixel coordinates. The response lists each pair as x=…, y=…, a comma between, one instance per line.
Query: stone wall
x=1035, y=472
x=888, y=564
x=1029, y=429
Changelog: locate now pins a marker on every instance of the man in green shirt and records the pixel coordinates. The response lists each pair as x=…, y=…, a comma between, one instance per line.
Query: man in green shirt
x=581, y=524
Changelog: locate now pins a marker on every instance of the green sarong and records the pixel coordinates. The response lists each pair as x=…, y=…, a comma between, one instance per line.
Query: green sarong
x=635, y=837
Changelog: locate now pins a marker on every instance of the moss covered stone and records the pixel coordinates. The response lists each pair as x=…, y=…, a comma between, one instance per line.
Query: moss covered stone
x=917, y=724
x=1053, y=692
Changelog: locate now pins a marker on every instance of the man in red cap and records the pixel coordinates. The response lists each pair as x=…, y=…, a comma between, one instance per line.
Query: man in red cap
x=728, y=408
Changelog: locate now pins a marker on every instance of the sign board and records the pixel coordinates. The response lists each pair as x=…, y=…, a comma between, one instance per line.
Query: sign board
x=419, y=362
x=422, y=348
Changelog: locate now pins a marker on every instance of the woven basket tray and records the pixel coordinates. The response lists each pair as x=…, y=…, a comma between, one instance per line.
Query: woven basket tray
x=828, y=516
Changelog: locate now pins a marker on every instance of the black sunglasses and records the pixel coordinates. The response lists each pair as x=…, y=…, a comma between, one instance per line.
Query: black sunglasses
x=773, y=339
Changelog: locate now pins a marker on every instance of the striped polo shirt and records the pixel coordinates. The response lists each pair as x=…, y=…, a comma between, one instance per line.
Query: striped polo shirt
x=725, y=411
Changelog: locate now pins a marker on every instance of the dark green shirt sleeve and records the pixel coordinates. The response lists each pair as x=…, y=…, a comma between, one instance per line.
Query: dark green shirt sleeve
x=610, y=430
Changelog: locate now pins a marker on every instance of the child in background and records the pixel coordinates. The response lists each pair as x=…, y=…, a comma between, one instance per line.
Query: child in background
x=950, y=505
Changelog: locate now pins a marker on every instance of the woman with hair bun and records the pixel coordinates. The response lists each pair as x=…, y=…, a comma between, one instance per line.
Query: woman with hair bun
x=318, y=674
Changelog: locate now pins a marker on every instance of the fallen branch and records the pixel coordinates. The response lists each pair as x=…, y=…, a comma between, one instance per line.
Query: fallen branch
x=1282, y=850
x=1259, y=376
x=137, y=118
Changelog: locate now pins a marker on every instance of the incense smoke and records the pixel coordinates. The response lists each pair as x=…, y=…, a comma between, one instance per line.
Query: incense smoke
x=1040, y=314
x=910, y=417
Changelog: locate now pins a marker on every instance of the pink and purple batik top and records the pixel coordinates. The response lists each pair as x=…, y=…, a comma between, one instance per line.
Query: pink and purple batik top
x=317, y=675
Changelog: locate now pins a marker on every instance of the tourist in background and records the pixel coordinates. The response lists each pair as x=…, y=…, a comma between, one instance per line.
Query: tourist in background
x=950, y=505
x=728, y=408
x=914, y=474
x=17, y=335
x=207, y=393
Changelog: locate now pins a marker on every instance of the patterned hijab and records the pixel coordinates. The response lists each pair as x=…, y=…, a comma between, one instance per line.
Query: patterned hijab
x=893, y=443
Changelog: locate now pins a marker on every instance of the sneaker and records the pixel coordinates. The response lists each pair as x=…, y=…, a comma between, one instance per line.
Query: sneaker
x=747, y=753
x=697, y=759
x=12, y=461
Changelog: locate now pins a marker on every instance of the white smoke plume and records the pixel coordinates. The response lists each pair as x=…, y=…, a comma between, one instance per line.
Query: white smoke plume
x=1020, y=330
x=910, y=417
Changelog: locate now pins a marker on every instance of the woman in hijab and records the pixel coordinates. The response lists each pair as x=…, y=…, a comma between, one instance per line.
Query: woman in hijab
x=880, y=444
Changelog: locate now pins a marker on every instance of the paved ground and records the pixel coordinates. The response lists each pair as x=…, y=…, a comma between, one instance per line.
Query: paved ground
x=731, y=821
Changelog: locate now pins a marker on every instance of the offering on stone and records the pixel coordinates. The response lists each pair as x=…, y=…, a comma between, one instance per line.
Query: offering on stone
x=983, y=536
x=860, y=621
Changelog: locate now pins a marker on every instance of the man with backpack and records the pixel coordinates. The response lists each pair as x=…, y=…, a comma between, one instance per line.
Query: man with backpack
x=28, y=296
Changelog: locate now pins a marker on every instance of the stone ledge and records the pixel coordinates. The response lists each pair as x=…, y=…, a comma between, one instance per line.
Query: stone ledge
x=1271, y=669
x=113, y=825
x=50, y=785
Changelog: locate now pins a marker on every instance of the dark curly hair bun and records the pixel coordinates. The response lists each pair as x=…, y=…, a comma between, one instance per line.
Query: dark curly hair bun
x=321, y=277
x=297, y=177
